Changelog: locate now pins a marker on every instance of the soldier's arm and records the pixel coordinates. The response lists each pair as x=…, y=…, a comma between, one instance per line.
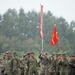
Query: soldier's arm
x=39, y=63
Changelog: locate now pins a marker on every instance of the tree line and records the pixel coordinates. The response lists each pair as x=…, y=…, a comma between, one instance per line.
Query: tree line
x=19, y=31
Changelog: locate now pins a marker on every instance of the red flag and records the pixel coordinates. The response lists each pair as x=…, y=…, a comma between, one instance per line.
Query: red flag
x=41, y=22
x=55, y=37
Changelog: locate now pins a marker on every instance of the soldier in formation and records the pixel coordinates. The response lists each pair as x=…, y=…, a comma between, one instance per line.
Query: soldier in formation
x=7, y=63
x=57, y=64
x=64, y=65
x=44, y=63
x=15, y=65
x=32, y=64
x=23, y=62
x=72, y=65
x=52, y=65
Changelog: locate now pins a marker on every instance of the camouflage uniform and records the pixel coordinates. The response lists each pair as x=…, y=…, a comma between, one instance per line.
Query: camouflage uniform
x=44, y=63
x=7, y=64
x=15, y=66
x=26, y=64
x=32, y=62
x=57, y=65
x=72, y=65
x=1, y=67
x=2, y=64
x=52, y=65
x=23, y=64
x=64, y=69
x=8, y=67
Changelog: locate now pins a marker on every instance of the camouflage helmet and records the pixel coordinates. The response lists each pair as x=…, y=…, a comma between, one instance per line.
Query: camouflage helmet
x=58, y=55
x=28, y=53
x=8, y=52
x=32, y=53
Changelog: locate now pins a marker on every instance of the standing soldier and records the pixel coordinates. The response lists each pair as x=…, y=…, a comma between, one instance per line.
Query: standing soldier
x=15, y=65
x=32, y=62
x=44, y=63
x=2, y=64
x=52, y=65
x=64, y=69
x=57, y=66
x=1, y=67
x=26, y=64
x=22, y=64
x=72, y=65
x=8, y=63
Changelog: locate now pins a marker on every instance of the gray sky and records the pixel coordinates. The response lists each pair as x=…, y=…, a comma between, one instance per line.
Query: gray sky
x=64, y=8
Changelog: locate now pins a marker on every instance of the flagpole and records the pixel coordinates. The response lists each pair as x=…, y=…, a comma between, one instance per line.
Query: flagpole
x=42, y=44
x=41, y=25
x=42, y=29
x=59, y=48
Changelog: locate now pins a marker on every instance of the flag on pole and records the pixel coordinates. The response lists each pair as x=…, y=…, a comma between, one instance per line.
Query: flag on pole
x=55, y=37
x=41, y=22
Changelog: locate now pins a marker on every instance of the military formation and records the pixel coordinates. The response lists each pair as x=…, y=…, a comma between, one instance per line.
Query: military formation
x=56, y=64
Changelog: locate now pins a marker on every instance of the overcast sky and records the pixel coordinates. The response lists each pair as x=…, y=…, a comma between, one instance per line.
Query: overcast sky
x=64, y=8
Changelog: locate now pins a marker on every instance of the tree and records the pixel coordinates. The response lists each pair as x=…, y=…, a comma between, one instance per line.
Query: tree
x=20, y=32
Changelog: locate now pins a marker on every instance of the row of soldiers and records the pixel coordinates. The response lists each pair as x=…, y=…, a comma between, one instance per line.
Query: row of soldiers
x=57, y=64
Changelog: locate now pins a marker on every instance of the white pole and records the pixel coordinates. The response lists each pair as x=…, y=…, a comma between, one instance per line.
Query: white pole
x=42, y=43
x=41, y=21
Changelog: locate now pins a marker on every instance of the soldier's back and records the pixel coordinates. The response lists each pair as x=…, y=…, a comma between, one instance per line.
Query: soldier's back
x=72, y=67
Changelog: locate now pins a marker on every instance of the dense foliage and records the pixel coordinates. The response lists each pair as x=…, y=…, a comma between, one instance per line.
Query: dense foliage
x=20, y=31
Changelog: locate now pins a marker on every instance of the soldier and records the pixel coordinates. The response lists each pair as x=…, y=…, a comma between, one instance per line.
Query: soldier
x=15, y=65
x=52, y=64
x=57, y=66
x=9, y=55
x=2, y=64
x=64, y=69
x=7, y=64
x=44, y=63
x=1, y=67
x=72, y=65
x=26, y=64
x=22, y=64
x=32, y=62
